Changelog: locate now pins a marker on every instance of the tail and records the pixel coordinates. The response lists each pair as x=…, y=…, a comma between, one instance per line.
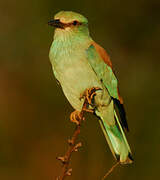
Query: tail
x=117, y=141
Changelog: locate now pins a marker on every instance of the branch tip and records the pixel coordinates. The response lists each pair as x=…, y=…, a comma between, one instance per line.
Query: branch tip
x=70, y=142
x=62, y=159
x=69, y=172
x=77, y=146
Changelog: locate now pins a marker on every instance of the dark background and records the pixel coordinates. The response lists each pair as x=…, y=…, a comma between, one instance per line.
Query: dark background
x=34, y=114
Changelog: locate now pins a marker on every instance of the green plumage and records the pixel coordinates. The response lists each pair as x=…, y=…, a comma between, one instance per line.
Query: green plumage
x=78, y=66
x=103, y=71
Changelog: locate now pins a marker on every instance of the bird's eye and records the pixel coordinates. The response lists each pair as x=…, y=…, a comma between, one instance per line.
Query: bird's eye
x=75, y=23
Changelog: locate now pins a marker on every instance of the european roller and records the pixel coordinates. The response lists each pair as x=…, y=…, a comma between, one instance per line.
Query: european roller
x=79, y=63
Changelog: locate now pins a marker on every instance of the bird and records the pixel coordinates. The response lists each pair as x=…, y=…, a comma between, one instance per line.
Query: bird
x=80, y=64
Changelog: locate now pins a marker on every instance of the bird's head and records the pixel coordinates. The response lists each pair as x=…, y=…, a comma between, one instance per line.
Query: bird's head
x=67, y=22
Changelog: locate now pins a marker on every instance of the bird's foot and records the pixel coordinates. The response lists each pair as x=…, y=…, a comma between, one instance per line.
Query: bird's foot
x=90, y=93
x=76, y=116
x=88, y=110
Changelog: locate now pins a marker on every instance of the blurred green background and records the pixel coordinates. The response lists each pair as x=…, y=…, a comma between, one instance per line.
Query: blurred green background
x=34, y=114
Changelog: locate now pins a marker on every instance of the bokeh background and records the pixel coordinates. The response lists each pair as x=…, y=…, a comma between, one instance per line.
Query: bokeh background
x=34, y=114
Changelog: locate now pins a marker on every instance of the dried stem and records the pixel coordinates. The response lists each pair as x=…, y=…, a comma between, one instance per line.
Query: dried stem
x=77, y=118
x=110, y=170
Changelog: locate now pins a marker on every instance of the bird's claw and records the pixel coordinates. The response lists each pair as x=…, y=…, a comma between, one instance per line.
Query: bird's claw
x=88, y=110
x=76, y=116
x=90, y=93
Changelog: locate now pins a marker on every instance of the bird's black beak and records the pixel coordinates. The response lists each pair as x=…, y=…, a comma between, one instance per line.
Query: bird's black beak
x=56, y=23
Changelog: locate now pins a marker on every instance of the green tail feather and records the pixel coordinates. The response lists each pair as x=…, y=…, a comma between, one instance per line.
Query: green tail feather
x=117, y=141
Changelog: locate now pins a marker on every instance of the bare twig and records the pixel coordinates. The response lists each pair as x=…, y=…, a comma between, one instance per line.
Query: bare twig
x=77, y=118
x=73, y=146
x=110, y=170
